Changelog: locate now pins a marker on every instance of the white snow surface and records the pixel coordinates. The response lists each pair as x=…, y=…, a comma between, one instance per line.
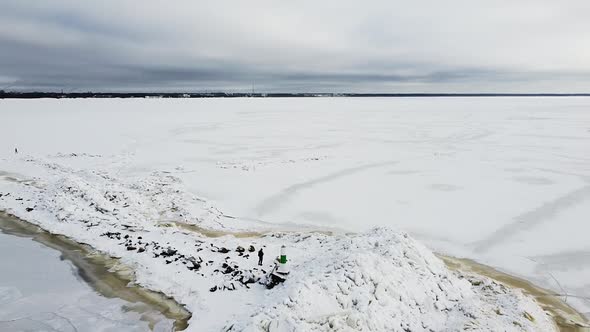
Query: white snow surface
x=500, y=180
x=385, y=281
x=39, y=292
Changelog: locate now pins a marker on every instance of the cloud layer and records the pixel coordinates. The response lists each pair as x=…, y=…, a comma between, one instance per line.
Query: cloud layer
x=352, y=46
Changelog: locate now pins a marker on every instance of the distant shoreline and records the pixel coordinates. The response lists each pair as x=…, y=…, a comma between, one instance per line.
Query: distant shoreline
x=75, y=95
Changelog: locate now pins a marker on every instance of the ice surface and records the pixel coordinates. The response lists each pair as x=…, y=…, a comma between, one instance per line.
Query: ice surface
x=40, y=292
x=502, y=180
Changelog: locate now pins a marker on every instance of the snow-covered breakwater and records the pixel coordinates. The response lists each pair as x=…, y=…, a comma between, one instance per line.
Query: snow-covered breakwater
x=377, y=280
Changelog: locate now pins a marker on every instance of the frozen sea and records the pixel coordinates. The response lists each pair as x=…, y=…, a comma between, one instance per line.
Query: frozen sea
x=505, y=181
x=42, y=291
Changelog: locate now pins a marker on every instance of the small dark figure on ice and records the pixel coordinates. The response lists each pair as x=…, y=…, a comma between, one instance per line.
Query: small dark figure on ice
x=260, y=256
x=15, y=150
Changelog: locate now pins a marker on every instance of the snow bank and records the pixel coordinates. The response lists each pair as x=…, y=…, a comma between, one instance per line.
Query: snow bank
x=386, y=281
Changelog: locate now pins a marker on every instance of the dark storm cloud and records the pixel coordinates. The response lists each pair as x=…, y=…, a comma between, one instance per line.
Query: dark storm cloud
x=382, y=46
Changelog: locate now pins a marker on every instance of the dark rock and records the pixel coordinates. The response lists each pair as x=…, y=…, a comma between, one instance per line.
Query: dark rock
x=240, y=249
x=101, y=210
x=140, y=250
x=228, y=269
x=245, y=281
x=168, y=252
x=131, y=248
x=112, y=235
x=223, y=250
x=29, y=209
x=213, y=289
x=196, y=266
x=274, y=280
x=251, y=248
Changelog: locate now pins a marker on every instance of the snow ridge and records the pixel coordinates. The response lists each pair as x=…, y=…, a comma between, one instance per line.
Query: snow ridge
x=131, y=202
x=386, y=281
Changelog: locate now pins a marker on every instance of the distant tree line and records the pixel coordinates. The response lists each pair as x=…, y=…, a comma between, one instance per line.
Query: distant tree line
x=58, y=95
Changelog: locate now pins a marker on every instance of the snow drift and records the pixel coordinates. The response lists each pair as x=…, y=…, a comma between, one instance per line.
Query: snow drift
x=385, y=281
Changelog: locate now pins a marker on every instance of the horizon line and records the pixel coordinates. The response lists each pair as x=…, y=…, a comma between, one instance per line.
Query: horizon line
x=212, y=94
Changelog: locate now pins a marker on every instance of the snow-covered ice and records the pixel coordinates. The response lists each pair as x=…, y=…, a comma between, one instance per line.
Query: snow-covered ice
x=39, y=291
x=501, y=180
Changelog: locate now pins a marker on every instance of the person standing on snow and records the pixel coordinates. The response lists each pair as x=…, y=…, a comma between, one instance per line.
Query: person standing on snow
x=260, y=256
x=15, y=150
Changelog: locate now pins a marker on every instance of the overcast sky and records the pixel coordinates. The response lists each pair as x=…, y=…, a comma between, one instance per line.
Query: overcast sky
x=325, y=45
